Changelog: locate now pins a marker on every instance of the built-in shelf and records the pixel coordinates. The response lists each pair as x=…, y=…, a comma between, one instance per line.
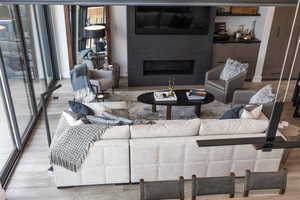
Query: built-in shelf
x=241, y=15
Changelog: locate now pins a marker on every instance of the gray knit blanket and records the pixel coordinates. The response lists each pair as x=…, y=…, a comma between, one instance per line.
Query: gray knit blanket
x=70, y=148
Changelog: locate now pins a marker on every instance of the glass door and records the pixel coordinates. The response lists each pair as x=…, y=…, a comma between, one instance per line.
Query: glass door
x=15, y=63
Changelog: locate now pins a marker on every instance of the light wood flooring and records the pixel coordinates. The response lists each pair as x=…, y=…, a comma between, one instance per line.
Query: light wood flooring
x=31, y=180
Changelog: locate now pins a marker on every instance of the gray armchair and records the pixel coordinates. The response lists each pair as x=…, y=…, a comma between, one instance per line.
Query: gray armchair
x=223, y=90
x=242, y=97
x=101, y=80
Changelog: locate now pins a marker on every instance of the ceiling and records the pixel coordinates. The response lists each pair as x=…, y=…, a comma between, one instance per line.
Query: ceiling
x=157, y=2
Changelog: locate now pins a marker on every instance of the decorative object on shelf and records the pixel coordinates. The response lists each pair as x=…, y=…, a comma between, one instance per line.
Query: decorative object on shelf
x=237, y=11
x=222, y=10
x=252, y=10
x=296, y=97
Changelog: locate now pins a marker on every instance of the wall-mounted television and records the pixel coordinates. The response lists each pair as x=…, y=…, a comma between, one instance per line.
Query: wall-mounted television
x=172, y=20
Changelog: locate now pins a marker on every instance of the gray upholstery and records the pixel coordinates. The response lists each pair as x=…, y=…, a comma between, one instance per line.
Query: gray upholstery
x=265, y=180
x=213, y=185
x=102, y=79
x=242, y=97
x=162, y=189
x=223, y=90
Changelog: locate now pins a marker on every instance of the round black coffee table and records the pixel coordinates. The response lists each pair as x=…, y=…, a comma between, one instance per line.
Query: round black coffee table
x=182, y=100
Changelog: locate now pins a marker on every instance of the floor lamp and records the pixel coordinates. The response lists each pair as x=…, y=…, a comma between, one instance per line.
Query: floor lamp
x=95, y=32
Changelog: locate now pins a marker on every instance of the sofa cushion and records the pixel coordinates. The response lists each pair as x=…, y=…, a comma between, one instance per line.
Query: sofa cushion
x=166, y=128
x=116, y=132
x=232, y=126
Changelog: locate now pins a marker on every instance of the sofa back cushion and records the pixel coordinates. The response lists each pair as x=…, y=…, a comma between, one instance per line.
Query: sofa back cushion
x=116, y=132
x=232, y=126
x=166, y=128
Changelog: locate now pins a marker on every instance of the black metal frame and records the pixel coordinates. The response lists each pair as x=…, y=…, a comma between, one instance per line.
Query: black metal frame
x=296, y=98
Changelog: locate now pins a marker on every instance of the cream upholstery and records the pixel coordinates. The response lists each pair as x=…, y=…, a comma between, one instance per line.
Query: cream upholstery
x=166, y=128
x=166, y=150
x=232, y=126
x=106, y=163
x=169, y=158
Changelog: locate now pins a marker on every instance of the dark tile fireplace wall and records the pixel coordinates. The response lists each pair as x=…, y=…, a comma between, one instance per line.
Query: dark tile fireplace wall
x=192, y=52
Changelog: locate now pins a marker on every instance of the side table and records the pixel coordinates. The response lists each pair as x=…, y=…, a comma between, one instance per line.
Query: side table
x=292, y=133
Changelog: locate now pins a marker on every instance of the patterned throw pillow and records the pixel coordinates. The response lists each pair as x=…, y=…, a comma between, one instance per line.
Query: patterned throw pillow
x=232, y=68
x=263, y=96
x=232, y=113
x=80, y=108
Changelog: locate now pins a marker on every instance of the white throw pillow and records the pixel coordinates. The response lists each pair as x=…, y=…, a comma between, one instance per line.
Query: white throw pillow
x=232, y=68
x=71, y=120
x=251, y=114
x=263, y=96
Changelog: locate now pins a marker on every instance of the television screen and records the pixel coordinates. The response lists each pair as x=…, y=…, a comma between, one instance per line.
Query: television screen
x=172, y=20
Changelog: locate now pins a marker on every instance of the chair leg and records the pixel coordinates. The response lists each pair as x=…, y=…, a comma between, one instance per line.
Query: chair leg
x=231, y=195
x=282, y=191
x=246, y=193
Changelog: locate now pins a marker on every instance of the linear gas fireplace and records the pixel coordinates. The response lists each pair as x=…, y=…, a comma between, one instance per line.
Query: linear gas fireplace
x=168, y=67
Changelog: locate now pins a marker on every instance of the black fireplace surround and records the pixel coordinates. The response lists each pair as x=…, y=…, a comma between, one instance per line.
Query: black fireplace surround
x=154, y=59
x=168, y=67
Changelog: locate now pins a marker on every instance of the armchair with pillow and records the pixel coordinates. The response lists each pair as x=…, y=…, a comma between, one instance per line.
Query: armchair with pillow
x=264, y=97
x=223, y=80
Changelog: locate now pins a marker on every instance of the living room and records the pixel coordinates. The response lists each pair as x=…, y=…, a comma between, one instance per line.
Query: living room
x=190, y=98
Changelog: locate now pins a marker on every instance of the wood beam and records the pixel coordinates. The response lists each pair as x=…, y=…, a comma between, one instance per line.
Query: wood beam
x=69, y=35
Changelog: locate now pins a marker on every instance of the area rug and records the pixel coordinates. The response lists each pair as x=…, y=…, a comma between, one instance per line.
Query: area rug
x=140, y=111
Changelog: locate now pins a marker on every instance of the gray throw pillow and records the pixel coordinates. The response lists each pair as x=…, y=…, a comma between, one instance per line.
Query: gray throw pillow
x=263, y=96
x=122, y=120
x=232, y=68
x=100, y=120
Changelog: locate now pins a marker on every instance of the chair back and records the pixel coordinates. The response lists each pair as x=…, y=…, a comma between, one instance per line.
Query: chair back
x=265, y=181
x=162, y=189
x=213, y=185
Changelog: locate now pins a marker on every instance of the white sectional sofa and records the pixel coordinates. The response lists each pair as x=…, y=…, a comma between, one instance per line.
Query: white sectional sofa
x=166, y=150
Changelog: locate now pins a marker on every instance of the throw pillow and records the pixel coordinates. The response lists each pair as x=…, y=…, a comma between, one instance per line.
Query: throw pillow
x=100, y=120
x=80, y=108
x=232, y=113
x=251, y=114
x=69, y=117
x=263, y=96
x=122, y=120
x=232, y=68
x=98, y=108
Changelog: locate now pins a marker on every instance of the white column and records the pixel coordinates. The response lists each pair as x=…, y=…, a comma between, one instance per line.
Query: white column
x=60, y=32
x=2, y=193
x=266, y=26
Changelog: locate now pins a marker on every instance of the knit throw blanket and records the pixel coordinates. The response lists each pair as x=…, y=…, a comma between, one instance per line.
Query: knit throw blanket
x=70, y=149
x=81, y=83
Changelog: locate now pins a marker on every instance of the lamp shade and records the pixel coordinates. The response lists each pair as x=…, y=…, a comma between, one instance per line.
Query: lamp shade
x=95, y=31
x=2, y=27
